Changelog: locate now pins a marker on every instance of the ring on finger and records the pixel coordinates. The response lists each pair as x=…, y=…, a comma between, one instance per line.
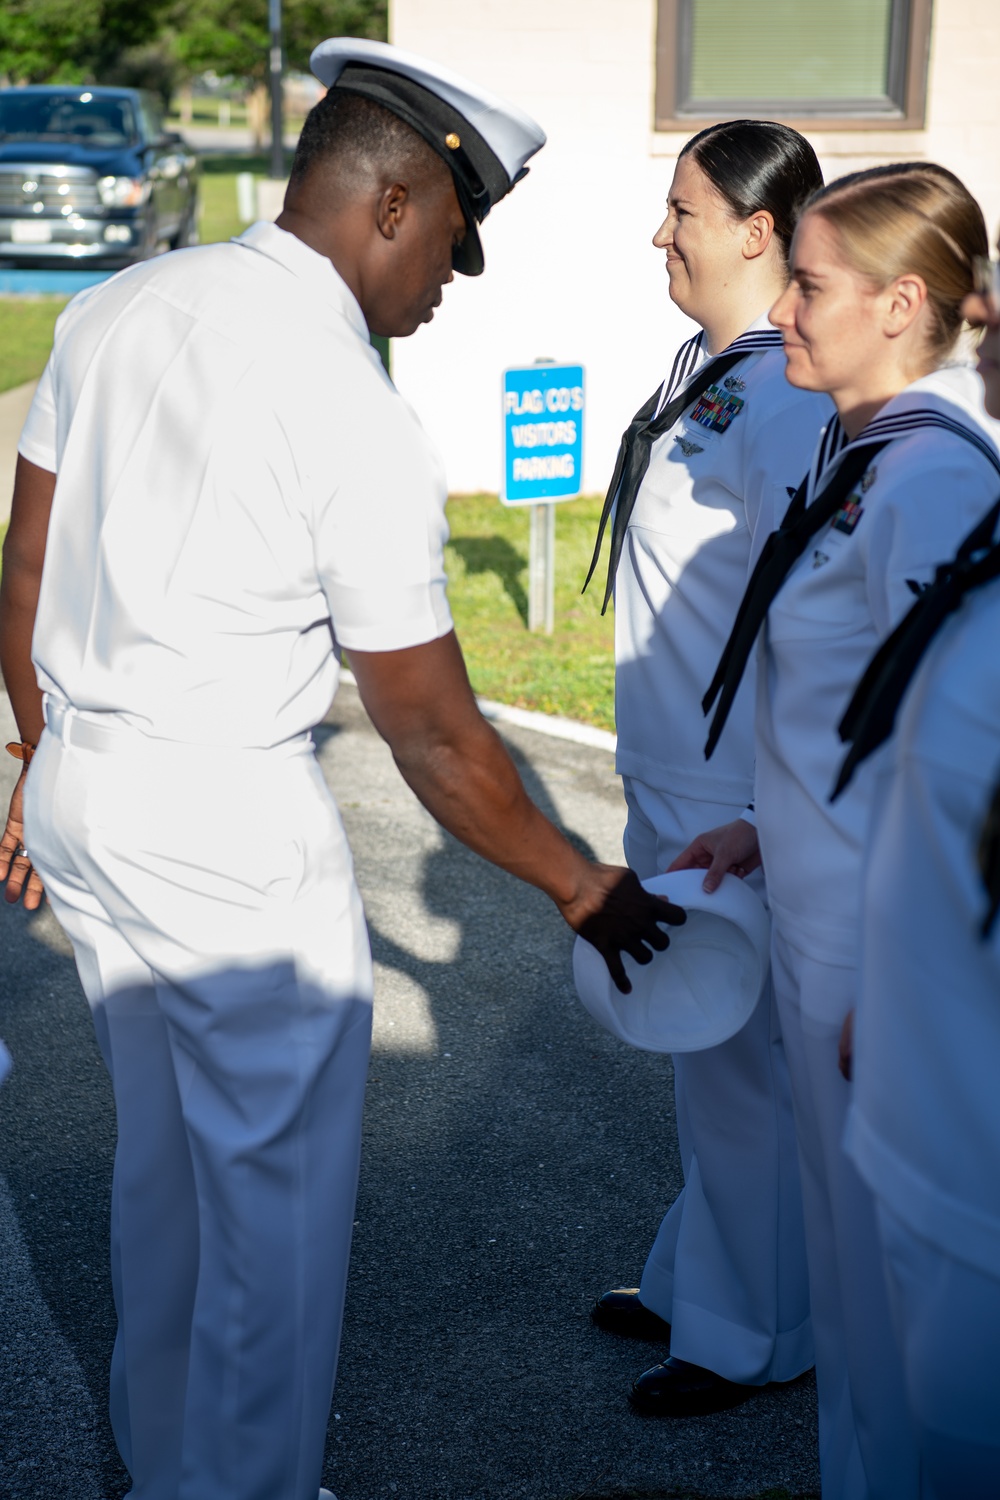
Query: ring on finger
x=22, y=853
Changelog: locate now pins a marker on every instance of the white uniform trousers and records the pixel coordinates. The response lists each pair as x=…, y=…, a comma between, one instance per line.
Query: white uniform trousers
x=728, y=1267
x=866, y=1438
x=947, y=1320
x=221, y=944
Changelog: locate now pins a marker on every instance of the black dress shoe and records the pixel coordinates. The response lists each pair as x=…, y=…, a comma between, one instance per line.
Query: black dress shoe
x=620, y=1311
x=677, y=1389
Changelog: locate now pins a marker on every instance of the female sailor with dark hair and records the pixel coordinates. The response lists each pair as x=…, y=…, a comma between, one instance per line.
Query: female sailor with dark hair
x=703, y=476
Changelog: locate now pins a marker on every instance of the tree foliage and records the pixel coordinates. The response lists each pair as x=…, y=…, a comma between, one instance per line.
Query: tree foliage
x=72, y=41
x=165, y=41
x=231, y=37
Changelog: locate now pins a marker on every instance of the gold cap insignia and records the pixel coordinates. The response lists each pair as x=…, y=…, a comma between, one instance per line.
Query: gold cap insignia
x=452, y=141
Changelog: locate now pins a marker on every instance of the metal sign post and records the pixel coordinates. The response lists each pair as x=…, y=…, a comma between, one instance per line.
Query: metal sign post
x=543, y=457
x=542, y=569
x=277, y=101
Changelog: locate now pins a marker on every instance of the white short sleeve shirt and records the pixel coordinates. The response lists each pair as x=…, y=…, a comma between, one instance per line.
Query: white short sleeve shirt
x=239, y=485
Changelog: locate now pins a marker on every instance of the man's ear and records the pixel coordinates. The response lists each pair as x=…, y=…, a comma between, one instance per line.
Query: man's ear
x=390, y=207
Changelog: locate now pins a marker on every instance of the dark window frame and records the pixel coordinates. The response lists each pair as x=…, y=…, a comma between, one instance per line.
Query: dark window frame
x=904, y=109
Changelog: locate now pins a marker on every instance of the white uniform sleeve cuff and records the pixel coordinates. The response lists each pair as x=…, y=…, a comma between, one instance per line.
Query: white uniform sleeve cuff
x=37, y=442
x=412, y=616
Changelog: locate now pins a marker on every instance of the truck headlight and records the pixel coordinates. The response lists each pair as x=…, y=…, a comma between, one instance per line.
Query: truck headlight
x=122, y=192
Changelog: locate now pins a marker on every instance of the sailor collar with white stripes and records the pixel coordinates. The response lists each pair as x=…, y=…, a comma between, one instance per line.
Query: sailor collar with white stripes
x=717, y=407
x=689, y=356
x=881, y=429
x=884, y=427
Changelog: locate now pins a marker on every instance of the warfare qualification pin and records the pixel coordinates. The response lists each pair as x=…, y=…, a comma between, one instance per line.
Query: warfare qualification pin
x=734, y=383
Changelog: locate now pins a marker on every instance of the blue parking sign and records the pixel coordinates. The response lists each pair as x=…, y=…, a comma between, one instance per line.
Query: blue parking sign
x=542, y=433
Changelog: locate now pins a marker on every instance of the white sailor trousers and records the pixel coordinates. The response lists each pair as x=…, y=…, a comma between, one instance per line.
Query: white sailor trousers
x=947, y=1319
x=867, y=1444
x=728, y=1267
x=220, y=941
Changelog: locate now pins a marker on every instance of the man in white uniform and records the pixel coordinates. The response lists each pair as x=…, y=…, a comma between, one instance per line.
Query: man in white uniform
x=223, y=483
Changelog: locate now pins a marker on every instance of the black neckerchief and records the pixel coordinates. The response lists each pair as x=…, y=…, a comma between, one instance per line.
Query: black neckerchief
x=989, y=862
x=785, y=546
x=781, y=551
x=871, y=714
x=648, y=424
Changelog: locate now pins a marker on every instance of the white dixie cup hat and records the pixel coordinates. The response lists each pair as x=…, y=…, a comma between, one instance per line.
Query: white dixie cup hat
x=703, y=988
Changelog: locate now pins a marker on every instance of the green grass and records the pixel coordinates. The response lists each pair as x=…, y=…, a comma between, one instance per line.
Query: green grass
x=26, y=325
x=219, y=220
x=570, y=672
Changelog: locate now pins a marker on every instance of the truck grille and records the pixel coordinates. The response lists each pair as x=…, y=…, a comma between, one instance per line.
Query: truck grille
x=21, y=187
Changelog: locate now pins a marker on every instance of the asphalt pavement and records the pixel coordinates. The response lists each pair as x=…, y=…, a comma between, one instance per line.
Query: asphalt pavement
x=516, y=1162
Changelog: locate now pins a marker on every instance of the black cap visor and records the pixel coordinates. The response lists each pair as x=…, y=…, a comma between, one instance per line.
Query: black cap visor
x=467, y=258
x=480, y=177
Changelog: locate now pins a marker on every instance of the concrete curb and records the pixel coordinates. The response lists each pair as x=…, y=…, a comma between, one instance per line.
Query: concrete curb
x=524, y=718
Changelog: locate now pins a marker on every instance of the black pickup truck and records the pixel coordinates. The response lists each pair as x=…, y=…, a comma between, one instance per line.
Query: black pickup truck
x=88, y=175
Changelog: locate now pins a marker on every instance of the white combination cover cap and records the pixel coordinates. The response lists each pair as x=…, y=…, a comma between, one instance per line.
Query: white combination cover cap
x=485, y=141
x=703, y=988
x=509, y=132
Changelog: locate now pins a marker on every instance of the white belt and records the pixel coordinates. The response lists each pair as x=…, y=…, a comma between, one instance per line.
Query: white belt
x=92, y=731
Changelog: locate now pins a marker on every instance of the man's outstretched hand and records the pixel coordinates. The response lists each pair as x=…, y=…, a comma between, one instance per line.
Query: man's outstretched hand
x=617, y=916
x=420, y=701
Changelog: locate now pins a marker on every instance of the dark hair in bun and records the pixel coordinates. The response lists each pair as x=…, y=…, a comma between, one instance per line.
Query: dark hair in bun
x=755, y=164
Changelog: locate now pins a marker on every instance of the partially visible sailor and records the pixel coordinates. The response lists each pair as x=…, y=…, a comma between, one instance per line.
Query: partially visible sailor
x=881, y=263
x=224, y=486
x=924, y=1129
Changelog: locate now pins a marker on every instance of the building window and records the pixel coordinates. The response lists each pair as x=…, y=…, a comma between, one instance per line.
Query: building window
x=841, y=64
